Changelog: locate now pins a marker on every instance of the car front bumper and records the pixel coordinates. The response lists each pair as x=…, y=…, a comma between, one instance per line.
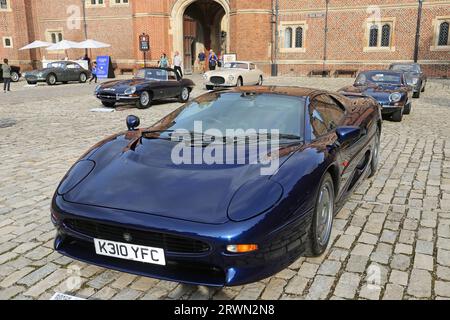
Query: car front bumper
x=222, y=85
x=389, y=108
x=216, y=267
x=117, y=97
x=33, y=78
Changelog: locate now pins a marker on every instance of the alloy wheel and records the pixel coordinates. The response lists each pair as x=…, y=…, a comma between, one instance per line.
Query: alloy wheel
x=325, y=209
x=145, y=98
x=14, y=77
x=185, y=94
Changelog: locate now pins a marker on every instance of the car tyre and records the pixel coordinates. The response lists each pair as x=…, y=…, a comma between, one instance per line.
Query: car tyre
x=83, y=77
x=209, y=88
x=319, y=232
x=239, y=82
x=416, y=95
x=51, y=79
x=407, y=109
x=397, y=116
x=184, y=95
x=108, y=104
x=14, y=76
x=375, y=155
x=145, y=100
x=423, y=89
x=260, y=81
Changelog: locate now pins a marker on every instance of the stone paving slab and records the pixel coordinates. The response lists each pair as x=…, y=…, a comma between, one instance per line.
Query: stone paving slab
x=390, y=241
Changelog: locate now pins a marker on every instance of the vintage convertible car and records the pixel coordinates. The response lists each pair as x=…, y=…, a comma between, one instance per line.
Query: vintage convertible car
x=148, y=84
x=234, y=74
x=59, y=71
x=414, y=76
x=15, y=73
x=389, y=88
x=128, y=205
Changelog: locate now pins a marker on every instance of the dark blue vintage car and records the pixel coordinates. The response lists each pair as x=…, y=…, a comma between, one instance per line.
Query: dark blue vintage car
x=127, y=205
x=389, y=88
x=147, y=85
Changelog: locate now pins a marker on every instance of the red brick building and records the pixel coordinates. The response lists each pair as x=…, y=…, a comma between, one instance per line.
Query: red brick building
x=362, y=34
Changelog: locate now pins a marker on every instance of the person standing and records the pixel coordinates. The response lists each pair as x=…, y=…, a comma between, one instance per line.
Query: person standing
x=86, y=58
x=94, y=72
x=201, y=61
x=212, y=60
x=6, y=69
x=177, y=62
x=163, y=61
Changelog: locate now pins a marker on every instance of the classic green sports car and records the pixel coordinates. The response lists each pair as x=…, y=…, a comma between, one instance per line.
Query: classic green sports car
x=59, y=71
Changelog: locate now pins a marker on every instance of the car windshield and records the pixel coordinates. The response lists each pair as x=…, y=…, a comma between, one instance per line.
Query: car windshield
x=247, y=111
x=152, y=74
x=379, y=78
x=405, y=67
x=56, y=65
x=235, y=65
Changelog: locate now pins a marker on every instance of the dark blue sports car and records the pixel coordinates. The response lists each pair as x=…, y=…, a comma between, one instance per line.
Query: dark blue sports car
x=130, y=204
x=389, y=88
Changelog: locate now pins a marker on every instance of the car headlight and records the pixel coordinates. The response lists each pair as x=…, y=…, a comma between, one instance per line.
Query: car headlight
x=395, y=97
x=231, y=78
x=130, y=90
x=97, y=88
x=40, y=74
x=205, y=76
x=415, y=80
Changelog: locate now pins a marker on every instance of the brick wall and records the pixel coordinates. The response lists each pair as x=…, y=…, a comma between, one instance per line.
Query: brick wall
x=250, y=33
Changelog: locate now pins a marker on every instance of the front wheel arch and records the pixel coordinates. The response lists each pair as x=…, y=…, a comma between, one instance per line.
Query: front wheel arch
x=333, y=170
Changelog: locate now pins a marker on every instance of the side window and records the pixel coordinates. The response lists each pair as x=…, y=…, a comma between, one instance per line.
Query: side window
x=325, y=115
x=252, y=66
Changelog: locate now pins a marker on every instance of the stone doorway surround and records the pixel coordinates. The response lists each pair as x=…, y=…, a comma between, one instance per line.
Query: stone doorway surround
x=177, y=19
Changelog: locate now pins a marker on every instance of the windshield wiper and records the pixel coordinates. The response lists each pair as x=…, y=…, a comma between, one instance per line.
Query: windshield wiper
x=149, y=132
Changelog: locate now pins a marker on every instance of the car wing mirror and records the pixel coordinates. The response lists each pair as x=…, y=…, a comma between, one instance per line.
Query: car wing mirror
x=133, y=122
x=348, y=133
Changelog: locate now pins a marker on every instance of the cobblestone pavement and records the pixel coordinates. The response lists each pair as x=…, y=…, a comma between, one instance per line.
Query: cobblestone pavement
x=391, y=241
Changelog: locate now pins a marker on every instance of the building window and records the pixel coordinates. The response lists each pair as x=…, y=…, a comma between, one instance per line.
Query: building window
x=4, y=4
x=379, y=35
x=55, y=36
x=7, y=42
x=373, y=36
x=95, y=3
x=443, y=34
x=386, y=36
x=288, y=38
x=119, y=2
x=299, y=37
x=293, y=36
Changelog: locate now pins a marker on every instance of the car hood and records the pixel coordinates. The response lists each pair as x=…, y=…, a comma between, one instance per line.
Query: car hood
x=225, y=72
x=39, y=71
x=122, y=85
x=381, y=93
x=146, y=180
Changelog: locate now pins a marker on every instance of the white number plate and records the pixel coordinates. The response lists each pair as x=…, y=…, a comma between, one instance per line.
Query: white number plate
x=130, y=252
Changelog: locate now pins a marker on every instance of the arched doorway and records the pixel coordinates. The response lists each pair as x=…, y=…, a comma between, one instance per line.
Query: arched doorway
x=199, y=25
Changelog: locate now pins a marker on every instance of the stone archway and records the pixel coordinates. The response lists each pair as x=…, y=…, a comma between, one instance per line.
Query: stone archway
x=177, y=20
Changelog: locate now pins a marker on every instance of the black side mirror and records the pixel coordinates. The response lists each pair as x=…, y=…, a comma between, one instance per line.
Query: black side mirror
x=349, y=133
x=133, y=122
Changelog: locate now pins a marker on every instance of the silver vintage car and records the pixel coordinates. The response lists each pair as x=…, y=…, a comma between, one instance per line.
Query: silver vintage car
x=234, y=74
x=59, y=71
